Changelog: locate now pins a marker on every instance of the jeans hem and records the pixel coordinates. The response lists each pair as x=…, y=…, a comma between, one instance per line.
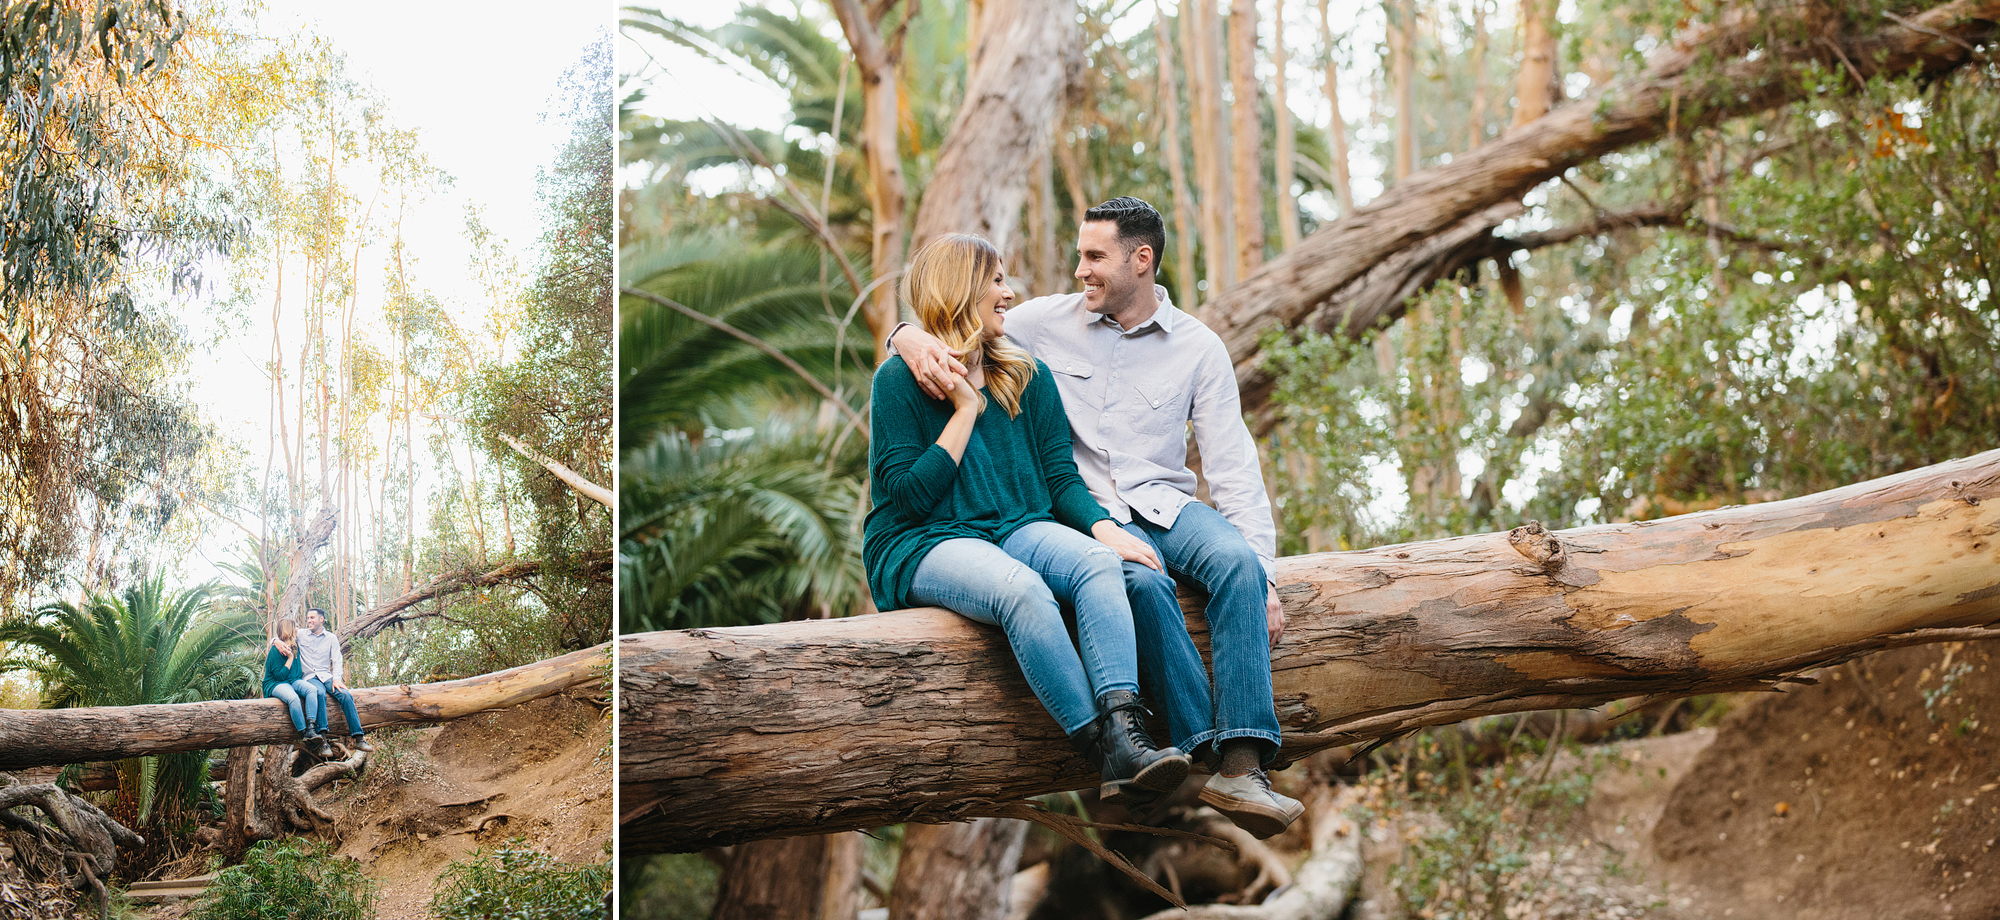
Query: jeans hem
x=1227, y=734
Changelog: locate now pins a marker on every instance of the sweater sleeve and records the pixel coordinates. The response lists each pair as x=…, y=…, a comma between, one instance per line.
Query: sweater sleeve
x=912, y=472
x=1070, y=498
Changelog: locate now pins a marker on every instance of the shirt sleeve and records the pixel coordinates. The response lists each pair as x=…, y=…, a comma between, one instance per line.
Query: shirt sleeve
x=1229, y=456
x=334, y=643
x=1069, y=497
x=914, y=474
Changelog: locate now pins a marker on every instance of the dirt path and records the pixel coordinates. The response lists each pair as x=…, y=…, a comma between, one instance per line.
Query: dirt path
x=431, y=796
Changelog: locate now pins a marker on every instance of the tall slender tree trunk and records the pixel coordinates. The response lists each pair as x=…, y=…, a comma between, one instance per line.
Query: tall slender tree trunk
x=1336, y=128
x=1282, y=153
x=1535, y=84
x=1247, y=115
x=1403, y=83
x=887, y=191
x=1477, y=130
x=1187, y=295
x=1211, y=143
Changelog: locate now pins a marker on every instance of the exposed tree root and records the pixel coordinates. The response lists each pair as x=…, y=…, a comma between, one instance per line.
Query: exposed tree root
x=86, y=838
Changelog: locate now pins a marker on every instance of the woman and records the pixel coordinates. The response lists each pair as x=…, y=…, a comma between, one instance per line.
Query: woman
x=979, y=508
x=285, y=680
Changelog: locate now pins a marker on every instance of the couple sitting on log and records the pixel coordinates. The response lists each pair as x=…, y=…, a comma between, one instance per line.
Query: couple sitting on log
x=1002, y=435
x=303, y=669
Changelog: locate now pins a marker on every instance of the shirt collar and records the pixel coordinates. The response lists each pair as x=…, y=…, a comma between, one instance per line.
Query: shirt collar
x=1163, y=317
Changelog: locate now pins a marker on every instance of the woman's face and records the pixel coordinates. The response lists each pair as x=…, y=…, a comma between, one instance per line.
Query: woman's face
x=993, y=305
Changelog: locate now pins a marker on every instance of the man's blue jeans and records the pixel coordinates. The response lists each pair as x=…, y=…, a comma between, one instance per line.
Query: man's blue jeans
x=304, y=701
x=1016, y=585
x=346, y=701
x=1204, y=547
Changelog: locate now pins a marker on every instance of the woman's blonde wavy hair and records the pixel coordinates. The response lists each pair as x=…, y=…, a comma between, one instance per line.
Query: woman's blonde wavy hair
x=943, y=286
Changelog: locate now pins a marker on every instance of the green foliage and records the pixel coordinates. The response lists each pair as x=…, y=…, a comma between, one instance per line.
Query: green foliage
x=555, y=393
x=667, y=886
x=289, y=880
x=1482, y=840
x=514, y=883
x=746, y=528
x=144, y=646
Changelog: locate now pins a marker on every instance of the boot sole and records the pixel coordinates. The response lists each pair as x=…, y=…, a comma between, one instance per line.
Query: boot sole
x=1159, y=778
x=1262, y=821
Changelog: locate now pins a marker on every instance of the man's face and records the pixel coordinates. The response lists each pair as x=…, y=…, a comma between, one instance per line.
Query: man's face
x=315, y=620
x=1111, y=276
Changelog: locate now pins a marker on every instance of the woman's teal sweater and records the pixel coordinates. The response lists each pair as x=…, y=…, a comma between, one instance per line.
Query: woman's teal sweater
x=275, y=671
x=1015, y=471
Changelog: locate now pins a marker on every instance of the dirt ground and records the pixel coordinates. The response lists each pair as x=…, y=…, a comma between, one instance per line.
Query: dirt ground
x=431, y=796
x=541, y=771
x=1872, y=795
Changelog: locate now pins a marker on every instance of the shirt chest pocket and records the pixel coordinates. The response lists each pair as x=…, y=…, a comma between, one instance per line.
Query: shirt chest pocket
x=1157, y=406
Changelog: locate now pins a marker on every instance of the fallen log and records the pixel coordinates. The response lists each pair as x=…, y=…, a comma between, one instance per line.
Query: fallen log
x=37, y=737
x=818, y=726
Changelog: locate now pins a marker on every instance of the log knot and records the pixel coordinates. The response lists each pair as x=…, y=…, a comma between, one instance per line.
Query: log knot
x=1541, y=547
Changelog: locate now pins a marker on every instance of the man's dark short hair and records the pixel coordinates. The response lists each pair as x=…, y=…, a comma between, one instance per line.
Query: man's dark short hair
x=1139, y=224
x=322, y=613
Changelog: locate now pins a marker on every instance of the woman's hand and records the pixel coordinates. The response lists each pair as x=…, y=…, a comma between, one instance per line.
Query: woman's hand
x=934, y=365
x=963, y=397
x=1128, y=547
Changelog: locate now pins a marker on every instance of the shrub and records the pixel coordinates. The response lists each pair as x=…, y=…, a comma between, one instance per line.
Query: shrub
x=289, y=880
x=516, y=883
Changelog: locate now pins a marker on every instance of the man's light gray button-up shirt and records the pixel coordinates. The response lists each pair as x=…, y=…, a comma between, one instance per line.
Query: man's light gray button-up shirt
x=1131, y=395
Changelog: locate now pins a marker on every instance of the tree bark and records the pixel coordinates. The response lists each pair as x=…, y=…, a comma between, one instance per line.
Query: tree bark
x=1247, y=137
x=292, y=602
x=1318, y=279
x=37, y=737
x=741, y=733
x=570, y=477
x=1402, y=16
x=959, y=871
x=1282, y=149
x=887, y=192
x=1186, y=296
x=1211, y=142
x=778, y=880
x=1027, y=53
x=1535, y=83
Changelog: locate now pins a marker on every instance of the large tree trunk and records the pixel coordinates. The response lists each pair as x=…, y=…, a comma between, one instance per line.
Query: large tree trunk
x=798, y=878
x=959, y=871
x=1028, y=52
x=749, y=732
x=1322, y=280
x=1246, y=113
x=1336, y=128
x=1282, y=149
x=1211, y=141
x=1535, y=82
x=37, y=737
x=1186, y=296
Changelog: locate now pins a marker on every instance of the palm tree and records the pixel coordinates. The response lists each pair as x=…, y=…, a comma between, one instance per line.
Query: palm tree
x=144, y=646
x=749, y=528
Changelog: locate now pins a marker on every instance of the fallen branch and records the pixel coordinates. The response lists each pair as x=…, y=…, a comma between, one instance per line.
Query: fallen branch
x=818, y=726
x=570, y=477
x=392, y=612
x=35, y=737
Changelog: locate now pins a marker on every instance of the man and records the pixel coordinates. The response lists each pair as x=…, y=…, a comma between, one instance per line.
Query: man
x=1134, y=372
x=319, y=653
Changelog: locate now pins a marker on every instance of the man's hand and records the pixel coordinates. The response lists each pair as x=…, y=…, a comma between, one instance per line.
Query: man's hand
x=933, y=364
x=1128, y=547
x=1274, y=617
x=282, y=646
x=339, y=684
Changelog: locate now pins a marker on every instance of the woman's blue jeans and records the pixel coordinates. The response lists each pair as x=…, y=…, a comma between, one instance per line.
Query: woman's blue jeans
x=1016, y=585
x=304, y=701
